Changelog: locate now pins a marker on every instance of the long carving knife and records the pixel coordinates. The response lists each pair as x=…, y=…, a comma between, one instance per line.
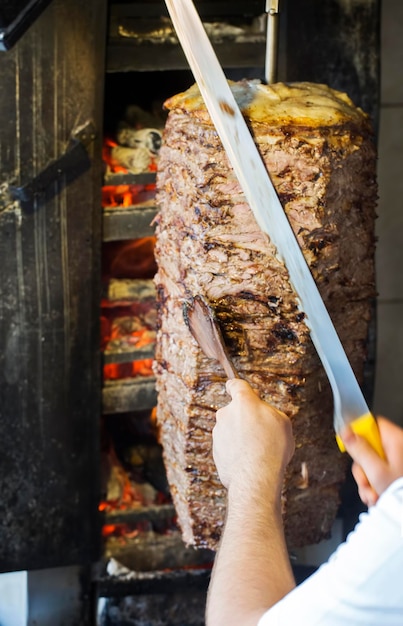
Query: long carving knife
x=349, y=403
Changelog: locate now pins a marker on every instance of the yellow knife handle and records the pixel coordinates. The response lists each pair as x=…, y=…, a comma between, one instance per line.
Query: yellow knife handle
x=366, y=427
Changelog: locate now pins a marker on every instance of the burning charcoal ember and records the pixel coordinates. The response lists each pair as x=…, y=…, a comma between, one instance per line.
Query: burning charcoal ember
x=134, y=160
x=131, y=259
x=133, y=473
x=128, y=327
x=122, y=159
x=320, y=153
x=131, y=290
x=128, y=333
x=147, y=493
x=120, y=493
x=123, y=327
x=133, y=369
x=128, y=195
x=150, y=318
x=122, y=490
x=158, y=517
x=149, y=139
x=146, y=462
x=136, y=148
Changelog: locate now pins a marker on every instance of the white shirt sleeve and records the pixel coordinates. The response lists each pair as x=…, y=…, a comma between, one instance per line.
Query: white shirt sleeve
x=362, y=582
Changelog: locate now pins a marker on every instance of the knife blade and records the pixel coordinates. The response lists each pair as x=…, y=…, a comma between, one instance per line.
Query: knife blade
x=349, y=403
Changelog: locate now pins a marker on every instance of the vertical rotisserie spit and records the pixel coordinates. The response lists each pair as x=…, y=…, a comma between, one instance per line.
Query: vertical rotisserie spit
x=318, y=148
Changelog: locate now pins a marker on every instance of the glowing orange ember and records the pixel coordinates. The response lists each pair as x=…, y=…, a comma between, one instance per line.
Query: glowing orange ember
x=123, y=531
x=133, y=258
x=114, y=167
x=117, y=371
x=117, y=334
x=129, y=497
x=127, y=195
x=124, y=195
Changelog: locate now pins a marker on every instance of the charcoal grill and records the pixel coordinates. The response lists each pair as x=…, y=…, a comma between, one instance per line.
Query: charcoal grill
x=59, y=71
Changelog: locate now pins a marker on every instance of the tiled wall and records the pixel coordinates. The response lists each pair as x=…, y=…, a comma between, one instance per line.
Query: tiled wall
x=388, y=398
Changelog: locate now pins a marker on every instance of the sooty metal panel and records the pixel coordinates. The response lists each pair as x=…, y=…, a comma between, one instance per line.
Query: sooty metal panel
x=50, y=398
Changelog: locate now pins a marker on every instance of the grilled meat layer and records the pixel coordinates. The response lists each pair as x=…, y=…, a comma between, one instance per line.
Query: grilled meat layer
x=322, y=163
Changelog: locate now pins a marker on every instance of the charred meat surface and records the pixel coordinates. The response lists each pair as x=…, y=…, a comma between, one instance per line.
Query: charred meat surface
x=318, y=148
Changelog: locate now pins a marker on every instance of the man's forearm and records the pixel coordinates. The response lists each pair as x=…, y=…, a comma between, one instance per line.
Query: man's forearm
x=252, y=569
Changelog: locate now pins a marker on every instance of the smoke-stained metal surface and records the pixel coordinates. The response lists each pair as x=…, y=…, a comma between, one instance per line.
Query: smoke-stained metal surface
x=50, y=391
x=142, y=37
x=336, y=42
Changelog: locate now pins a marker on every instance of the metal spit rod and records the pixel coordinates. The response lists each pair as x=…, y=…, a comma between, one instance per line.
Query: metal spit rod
x=272, y=10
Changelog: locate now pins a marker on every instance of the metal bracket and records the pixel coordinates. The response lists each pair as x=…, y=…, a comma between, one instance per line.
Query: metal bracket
x=59, y=173
x=16, y=18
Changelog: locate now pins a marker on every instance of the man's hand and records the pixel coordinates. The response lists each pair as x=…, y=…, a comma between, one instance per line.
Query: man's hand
x=253, y=441
x=252, y=444
x=372, y=474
